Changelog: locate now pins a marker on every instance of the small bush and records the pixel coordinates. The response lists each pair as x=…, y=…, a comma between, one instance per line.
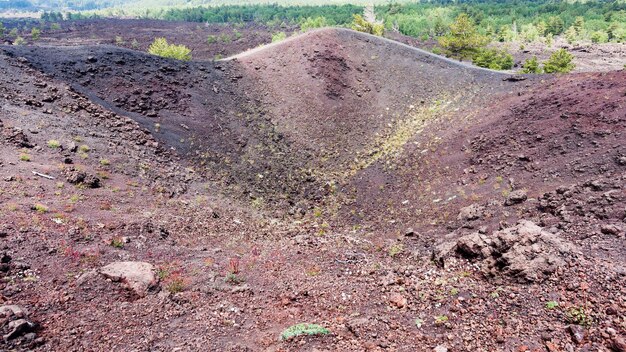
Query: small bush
x=35, y=33
x=552, y=304
x=55, y=26
x=40, y=208
x=579, y=316
x=312, y=23
x=531, y=66
x=54, y=144
x=277, y=37
x=105, y=162
x=559, y=62
x=599, y=37
x=19, y=41
x=84, y=148
x=361, y=25
x=493, y=59
x=119, y=40
x=160, y=47
x=24, y=157
x=303, y=329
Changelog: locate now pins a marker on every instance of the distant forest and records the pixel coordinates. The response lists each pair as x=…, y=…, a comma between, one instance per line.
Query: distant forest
x=502, y=20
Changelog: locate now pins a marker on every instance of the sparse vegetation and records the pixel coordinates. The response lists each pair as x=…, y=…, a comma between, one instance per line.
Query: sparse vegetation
x=362, y=25
x=35, y=33
x=278, y=36
x=19, y=41
x=25, y=157
x=559, y=62
x=493, y=59
x=463, y=39
x=40, y=208
x=303, y=329
x=160, y=47
x=552, y=304
x=531, y=66
x=579, y=316
x=53, y=143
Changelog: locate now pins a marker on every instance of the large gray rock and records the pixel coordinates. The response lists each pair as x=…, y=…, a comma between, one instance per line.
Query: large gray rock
x=137, y=276
x=523, y=251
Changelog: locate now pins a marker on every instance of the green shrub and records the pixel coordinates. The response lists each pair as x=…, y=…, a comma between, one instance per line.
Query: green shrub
x=279, y=36
x=303, y=329
x=463, y=40
x=160, y=47
x=361, y=25
x=599, y=37
x=55, y=26
x=1, y=29
x=559, y=62
x=53, y=143
x=312, y=23
x=35, y=33
x=19, y=41
x=493, y=59
x=531, y=66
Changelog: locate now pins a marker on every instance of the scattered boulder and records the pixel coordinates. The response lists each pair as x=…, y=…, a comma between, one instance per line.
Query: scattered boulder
x=13, y=319
x=577, y=332
x=137, y=276
x=15, y=136
x=516, y=197
x=610, y=229
x=18, y=328
x=618, y=344
x=398, y=300
x=76, y=177
x=13, y=310
x=524, y=251
x=472, y=212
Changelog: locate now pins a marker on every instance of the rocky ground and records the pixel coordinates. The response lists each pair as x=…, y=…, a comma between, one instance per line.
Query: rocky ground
x=149, y=205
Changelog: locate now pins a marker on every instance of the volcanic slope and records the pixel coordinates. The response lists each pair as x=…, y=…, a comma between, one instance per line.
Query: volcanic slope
x=281, y=123
x=463, y=212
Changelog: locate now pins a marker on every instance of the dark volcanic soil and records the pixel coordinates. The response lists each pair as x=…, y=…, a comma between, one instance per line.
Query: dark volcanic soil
x=404, y=202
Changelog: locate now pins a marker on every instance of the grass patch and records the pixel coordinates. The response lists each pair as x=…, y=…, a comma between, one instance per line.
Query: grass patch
x=54, y=144
x=303, y=329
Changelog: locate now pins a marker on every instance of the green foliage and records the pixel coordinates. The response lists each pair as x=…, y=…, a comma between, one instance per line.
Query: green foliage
x=35, y=33
x=559, y=62
x=493, y=59
x=579, y=316
x=463, y=40
x=555, y=25
x=531, y=66
x=279, y=36
x=552, y=304
x=13, y=33
x=19, y=41
x=571, y=34
x=53, y=143
x=599, y=37
x=312, y=23
x=1, y=29
x=361, y=25
x=160, y=47
x=55, y=27
x=303, y=329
